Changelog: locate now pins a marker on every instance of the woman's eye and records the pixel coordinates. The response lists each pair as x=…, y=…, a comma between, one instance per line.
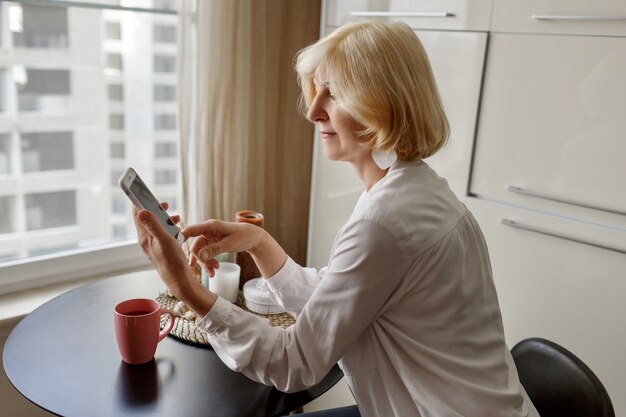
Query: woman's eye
x=331, y=96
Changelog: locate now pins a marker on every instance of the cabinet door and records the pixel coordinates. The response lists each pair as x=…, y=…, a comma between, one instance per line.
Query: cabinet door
x=422, y=14
x=457, y=61
x=598, y=17
x=560, y=289
x=552, y=121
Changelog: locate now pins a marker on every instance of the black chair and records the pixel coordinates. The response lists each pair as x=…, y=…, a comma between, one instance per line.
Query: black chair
x=558, y=383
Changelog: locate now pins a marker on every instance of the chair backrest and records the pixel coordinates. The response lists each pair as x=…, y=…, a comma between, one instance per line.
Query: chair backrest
x=559, y=383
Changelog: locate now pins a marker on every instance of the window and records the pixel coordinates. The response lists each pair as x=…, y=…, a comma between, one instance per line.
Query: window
x=38, y=26
x=164, y=34
x=165, y=176
x=114, y=30
x=118, y=150
x=42, y=90
x=68, y=72
x=120, y=205
x=165, y=150
x=3, y=89
x=117, y=121
x=164, y=93
x=115, y=61
x=165, y=121
x=47, y=151
x=116, y=92
x=164, y=63
x=5, y=154
x=49, y=210
x=7, y=219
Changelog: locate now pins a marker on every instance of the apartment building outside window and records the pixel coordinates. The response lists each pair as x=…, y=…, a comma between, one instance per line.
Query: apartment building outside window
x=78, y=105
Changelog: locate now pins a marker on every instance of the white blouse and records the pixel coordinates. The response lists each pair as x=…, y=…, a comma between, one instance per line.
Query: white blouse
x=406, y=306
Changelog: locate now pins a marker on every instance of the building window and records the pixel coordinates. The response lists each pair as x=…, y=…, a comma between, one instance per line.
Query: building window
x=116, y=92
x=165, y=176
x=70, y=119
x=42, y=90
x=118, y=150
x=165, y=121
x=165, y=150
x=164, y=63
x=5, y=154
x=120, y=204
x=38, y=26
x=115, y=61
x=117, y=121
x=164, y=93
x=115, y=177
x=113, y=30
x=3, y=89
x=7, y=219
x=164, y=34
x=49, y=210
x=119, y=231
x=47, y=151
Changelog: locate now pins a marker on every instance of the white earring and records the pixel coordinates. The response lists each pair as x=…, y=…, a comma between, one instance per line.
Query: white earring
x=384, y=159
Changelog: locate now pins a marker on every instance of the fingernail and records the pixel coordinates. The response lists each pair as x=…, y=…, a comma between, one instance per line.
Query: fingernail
x=204, y=255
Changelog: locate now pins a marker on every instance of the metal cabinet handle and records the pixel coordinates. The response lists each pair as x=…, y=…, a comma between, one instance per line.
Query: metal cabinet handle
x=574, y=17
x=517, y=225
x=520, y=190
x=401, y=14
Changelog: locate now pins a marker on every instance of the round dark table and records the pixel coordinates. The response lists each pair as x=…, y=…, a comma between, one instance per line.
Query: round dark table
x=63, y=357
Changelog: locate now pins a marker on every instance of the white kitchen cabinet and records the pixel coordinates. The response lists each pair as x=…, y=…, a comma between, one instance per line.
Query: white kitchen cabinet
x=552, y=122
x=457, y=62
x=581, y=17
x=564, y=290
x=419, y=14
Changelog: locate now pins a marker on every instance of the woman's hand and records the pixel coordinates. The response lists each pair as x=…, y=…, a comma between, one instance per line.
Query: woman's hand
x=214, y=237
x=170, y=262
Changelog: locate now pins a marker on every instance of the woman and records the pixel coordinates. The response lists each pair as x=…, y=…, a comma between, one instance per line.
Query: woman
x=407, y=304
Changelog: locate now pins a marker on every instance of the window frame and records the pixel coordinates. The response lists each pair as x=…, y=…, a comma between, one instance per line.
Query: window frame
x=109, y=258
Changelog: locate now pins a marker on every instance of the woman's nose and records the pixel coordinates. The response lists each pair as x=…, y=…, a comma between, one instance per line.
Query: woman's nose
x=316, y=112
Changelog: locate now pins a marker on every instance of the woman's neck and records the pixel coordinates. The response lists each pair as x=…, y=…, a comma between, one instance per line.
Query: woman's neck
x=369, y=172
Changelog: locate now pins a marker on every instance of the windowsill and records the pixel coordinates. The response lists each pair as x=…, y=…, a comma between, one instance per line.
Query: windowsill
x=14, y=306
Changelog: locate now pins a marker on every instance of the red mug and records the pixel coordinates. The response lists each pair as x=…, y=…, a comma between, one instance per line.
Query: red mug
x=137, y=325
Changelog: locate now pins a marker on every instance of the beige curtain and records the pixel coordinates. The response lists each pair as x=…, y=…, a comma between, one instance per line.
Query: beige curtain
x=243, y=144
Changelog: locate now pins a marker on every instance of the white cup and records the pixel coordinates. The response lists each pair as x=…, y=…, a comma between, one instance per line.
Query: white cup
x=225, y=283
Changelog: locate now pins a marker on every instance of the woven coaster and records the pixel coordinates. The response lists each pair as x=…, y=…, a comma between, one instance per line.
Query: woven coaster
x=186, y=329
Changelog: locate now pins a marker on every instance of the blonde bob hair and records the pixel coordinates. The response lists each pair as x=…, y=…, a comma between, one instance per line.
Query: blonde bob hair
x=380, y=76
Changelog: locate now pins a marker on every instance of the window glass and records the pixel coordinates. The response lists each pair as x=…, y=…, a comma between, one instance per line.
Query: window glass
x=116, y=92
x=117, y=121
x=80, y=100
x=165, y=149
x=164, y=93
x=164, y=63
x=115, y=61
x=3, y=89
x=165, y=176
x=165, y=121
x=114, y=30
x=42, y=90
x=48, y=210
x=5, y=154
x=7, y=219
x=118, y=150
x=47, y=151
x=38, y=26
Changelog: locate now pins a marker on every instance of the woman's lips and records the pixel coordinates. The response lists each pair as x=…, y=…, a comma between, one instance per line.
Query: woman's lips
x=327, y=134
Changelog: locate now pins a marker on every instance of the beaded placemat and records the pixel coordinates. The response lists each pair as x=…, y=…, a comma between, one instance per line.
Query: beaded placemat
x=186, y=330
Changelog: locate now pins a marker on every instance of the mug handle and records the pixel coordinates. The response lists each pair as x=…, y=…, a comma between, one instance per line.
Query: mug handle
x=170, y=323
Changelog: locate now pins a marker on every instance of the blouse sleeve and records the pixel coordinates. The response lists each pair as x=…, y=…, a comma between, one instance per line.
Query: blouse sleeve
x=367, y=265
x=293, y=285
